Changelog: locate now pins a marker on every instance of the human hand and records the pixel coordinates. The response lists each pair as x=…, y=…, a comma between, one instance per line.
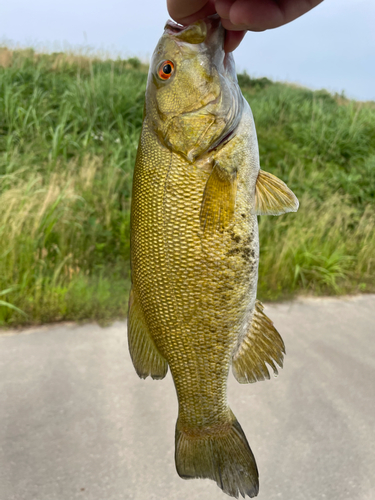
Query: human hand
x=239, y=16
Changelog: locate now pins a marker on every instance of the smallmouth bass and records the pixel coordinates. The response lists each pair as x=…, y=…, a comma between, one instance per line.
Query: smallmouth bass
x=197, y=191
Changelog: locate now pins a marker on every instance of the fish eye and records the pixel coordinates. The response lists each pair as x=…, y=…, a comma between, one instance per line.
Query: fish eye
x=166, y=69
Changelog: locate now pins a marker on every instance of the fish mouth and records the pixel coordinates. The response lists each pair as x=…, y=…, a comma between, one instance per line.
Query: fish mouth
x=173, y=27
x=201, y=31
x=213, y=21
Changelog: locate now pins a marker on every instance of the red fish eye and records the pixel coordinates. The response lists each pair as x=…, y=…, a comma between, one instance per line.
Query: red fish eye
x=166, y=69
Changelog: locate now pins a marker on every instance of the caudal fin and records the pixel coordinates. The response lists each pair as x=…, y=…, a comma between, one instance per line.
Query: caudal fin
x=223, y=456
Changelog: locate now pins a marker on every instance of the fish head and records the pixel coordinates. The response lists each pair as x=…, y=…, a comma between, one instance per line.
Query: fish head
x=193, y=99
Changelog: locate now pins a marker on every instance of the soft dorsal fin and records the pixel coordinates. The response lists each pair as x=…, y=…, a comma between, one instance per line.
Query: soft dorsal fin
x=272, y=196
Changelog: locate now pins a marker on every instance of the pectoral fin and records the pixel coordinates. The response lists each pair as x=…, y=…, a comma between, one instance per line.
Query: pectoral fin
x=219, y=199
x=262, y=344
x=272, y=196
x=146, y=358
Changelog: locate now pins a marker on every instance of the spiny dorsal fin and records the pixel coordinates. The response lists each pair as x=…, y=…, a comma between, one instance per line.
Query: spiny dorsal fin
x=272, y=196
x=146, y=358
x=262, y=344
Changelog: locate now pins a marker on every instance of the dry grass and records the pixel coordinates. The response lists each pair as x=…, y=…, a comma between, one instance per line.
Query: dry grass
x=53, y=230
x=6, y=57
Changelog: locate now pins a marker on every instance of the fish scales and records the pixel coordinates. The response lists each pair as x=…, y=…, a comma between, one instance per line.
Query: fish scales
x=180, y=317
x=194, y=251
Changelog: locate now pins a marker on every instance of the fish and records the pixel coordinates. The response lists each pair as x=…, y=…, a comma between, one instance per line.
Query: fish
x=197, y=191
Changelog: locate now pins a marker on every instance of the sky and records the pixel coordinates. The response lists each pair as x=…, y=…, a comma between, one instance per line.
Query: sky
x=331, y=47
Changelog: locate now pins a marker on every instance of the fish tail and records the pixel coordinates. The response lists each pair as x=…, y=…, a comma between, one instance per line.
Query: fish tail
x=221, y=454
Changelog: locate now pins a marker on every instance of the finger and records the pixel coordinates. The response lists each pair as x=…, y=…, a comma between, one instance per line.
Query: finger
x=259, y=15
x=236, y=27
x=233, y=39
x=188, y=12
x=292, y=9
x=223, y=8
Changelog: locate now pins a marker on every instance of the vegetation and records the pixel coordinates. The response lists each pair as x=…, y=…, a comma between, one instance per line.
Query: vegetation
x=69, y=128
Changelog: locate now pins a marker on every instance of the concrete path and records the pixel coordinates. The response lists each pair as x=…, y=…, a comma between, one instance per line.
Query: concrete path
x=77, y=423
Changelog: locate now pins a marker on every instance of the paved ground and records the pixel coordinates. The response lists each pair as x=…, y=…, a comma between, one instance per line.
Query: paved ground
x=77, y=423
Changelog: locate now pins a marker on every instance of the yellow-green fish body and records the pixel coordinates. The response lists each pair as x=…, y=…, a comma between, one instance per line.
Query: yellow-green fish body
x=197, y=190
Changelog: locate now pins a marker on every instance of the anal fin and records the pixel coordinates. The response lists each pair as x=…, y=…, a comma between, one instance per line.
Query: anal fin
x=146, y=358
x=272, y=196
x=262, y=344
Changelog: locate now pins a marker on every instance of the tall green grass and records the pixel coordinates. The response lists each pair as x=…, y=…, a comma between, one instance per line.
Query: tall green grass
x=323, y=147
x=69, y=128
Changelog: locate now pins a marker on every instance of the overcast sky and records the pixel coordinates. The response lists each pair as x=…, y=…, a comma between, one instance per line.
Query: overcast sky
x=331, y=47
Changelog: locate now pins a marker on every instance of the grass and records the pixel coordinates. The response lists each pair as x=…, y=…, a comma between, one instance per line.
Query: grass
x=69, y=128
